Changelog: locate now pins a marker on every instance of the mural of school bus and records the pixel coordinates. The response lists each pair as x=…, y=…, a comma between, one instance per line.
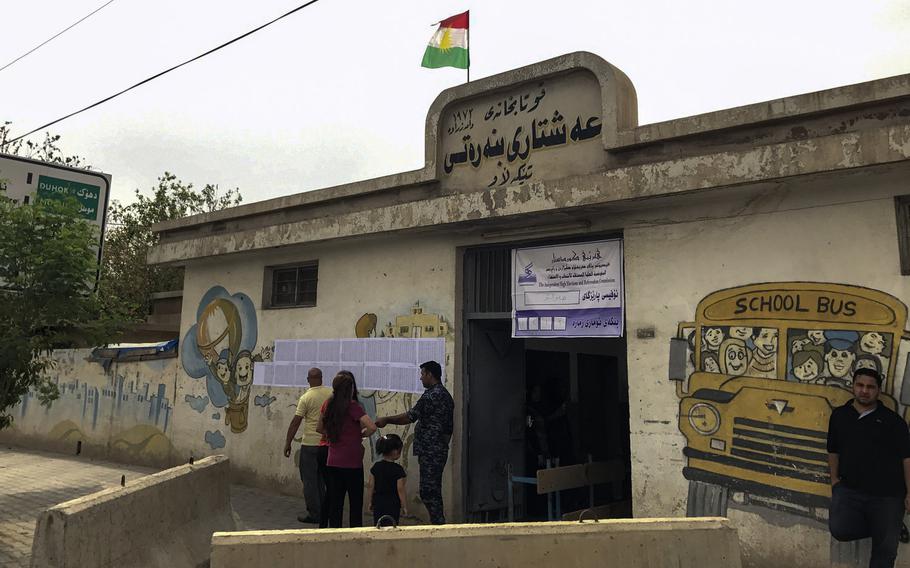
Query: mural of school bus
x=765, y=365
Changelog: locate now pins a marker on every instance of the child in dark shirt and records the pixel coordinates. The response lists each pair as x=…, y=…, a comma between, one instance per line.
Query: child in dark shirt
x=387, y=481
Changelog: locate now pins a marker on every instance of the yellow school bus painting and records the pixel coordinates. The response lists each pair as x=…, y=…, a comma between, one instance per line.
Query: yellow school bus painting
x=765, y=365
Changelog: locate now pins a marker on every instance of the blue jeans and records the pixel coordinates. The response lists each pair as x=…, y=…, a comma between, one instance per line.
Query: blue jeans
x=855, y=515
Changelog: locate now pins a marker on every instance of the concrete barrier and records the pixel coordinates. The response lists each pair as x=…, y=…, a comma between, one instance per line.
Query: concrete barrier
x=164, y=519
x=627, y=543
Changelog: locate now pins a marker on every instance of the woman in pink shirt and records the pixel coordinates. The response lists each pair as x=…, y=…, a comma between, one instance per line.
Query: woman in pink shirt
x=344, y=424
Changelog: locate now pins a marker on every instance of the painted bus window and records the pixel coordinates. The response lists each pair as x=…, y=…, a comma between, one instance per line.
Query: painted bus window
x=739, y=351
x=830, y=357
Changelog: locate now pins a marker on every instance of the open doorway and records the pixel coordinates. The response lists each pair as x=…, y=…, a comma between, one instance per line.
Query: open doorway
x=530, y=401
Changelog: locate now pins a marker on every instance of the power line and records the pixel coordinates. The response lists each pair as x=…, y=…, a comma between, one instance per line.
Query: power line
x=57, y=35
x=165, y=72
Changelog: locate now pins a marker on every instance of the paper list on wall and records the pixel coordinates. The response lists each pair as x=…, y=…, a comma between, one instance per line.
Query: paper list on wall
x=306, y=351
x=389, y=364
x=284, y=374
x=329, y=351
x=376, y=350
x=284, y=349
x=259, y=370
x=403, y=351
x=376, y=376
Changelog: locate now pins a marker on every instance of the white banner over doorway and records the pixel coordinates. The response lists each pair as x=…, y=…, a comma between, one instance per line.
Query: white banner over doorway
x=571, y=290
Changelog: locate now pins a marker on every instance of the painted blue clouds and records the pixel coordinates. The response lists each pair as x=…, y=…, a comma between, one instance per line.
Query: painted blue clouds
x=264, y=400
x=215, y=439
x=197, y=403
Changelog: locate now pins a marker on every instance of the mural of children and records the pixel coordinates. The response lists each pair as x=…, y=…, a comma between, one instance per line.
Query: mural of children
x=764, y=357
x=799, y=343
x=734, y=357
x=817, y=336
x=872, y=343
x=741, y=333
x=238, y=406
x=807, y=366
x=712, y=337
x=839, y=357
x=709, y=362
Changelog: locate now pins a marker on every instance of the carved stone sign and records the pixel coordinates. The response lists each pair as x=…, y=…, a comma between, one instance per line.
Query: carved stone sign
x=539, y=129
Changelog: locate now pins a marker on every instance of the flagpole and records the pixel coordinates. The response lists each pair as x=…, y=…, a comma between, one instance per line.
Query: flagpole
x=468, y=37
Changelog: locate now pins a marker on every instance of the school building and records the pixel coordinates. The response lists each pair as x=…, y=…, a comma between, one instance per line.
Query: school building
x=758, y=255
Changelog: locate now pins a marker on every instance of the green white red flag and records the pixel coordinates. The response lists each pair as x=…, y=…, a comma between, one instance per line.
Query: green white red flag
x=449, y=45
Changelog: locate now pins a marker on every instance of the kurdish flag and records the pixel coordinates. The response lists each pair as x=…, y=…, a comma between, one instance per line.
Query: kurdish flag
x=449, y=45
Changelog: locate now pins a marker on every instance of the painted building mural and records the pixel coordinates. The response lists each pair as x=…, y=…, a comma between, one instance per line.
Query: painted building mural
x=124, y=407
x=219, y=347
x=766, y=365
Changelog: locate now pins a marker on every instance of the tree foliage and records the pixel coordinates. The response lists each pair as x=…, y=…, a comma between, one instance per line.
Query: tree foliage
x=126, y=279
x=46, y=150
x=48, y=266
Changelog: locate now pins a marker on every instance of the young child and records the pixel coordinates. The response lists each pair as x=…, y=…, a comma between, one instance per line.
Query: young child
x=387, y=481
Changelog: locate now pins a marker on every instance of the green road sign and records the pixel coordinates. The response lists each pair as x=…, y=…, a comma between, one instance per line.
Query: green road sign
x=87, y=195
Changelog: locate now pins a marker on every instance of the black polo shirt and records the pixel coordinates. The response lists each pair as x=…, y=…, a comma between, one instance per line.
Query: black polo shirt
x=871, y=449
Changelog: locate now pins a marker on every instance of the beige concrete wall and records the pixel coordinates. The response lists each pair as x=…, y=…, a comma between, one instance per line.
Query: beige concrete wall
x=653, y=543
x=838, y=230
x=165, y=519
x=124, y=412
x=385, y=277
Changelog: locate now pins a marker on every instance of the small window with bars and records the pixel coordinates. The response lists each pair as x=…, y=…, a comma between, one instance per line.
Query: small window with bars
x=902, y=207
x=294, y=286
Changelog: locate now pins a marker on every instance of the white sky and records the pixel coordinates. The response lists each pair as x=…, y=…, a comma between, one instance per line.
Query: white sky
x=335, y=93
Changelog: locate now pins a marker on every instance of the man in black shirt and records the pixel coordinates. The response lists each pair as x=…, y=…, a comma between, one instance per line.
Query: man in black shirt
x=869, y=458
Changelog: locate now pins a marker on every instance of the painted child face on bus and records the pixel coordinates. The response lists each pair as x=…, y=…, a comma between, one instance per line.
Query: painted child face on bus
x=713, y=338
x=839, y=362
x=742, y=333
x=872, y=343
x=711, y=365
x=766, y=340
x=799, y=344
x=817, y=336
x=806, y=372
x=734, y=357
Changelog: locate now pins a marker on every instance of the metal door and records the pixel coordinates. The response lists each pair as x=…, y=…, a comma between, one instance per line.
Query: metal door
x=496, y=412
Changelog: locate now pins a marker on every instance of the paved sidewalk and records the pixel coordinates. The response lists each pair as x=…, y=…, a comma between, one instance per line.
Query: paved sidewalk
x=32, y=481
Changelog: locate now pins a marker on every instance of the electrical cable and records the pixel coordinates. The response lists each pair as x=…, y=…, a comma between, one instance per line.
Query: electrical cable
x=165, y=72
x=32, y=50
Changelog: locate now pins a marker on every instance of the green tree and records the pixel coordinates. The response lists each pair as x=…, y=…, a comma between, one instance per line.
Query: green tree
x=46, y=150
x=126, y=280
x=47, y=275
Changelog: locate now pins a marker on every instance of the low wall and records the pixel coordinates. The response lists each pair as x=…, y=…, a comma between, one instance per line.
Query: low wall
x=633, y=543
x=164, y=519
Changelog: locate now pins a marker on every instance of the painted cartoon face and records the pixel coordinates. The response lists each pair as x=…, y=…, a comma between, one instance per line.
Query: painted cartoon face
x=222, y=371
x=766, y=340
x=713, y=338
x=839, y=362
x=743, y=333
x=865, y=363
x=243, y=371
x=799, y=344
x=807, y=371
x=711, y=366
x=872, y=343
x=734, y=357
x=817, y=336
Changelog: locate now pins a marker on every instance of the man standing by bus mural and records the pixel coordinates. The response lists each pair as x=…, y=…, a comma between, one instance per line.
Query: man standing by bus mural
x=869, y=459
x=434, y=414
